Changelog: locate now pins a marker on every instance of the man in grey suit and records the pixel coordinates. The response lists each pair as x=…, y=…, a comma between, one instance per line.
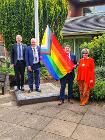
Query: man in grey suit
x=18, y=61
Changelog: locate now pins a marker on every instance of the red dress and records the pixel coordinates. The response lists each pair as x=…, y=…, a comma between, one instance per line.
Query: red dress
x=86, y=71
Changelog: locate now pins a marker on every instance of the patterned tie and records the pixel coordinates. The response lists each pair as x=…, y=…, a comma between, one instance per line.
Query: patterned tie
x=35, y=57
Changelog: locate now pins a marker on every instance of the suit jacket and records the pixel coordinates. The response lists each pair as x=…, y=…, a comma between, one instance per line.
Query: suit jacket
x=14, y=55
x=30, y=58
x=74, y=60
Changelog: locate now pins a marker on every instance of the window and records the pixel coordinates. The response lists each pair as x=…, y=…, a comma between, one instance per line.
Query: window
x=94, y=10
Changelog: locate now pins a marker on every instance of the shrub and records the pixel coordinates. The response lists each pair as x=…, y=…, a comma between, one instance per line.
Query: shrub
x=97, y=49
x=44, y=72
x=99, y=90
x=76, y=90
x=9, y=70
x=100, y=73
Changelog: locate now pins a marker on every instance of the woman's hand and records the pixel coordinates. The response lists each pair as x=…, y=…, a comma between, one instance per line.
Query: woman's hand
x=91, y=81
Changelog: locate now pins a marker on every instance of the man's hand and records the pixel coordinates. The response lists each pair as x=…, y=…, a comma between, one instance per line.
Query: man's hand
x=74, y=66
x=29, y=68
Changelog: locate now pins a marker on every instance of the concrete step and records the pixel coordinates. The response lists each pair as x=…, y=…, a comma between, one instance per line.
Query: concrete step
x=49, y=92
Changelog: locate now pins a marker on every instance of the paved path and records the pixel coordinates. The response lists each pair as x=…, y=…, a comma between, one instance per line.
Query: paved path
x=48, y=121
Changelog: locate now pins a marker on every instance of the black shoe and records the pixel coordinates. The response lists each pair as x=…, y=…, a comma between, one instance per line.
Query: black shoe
x=38, y=90
x=17, y=89
x=61, y=102
x=22, y=89
x=30, y=91
x=70, y=101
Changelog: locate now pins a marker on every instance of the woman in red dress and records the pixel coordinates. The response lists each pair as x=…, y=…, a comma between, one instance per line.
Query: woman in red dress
x=85, y=76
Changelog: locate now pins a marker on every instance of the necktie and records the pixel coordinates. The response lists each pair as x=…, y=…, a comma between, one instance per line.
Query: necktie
x=33, y=52
x=35, y=57
x=19, y=52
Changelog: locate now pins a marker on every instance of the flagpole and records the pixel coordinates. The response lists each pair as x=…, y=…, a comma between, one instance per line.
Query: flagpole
x=36, y=21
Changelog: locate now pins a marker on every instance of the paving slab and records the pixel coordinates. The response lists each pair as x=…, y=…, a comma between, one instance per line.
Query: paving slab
x=3, y=111
x=37, y=122
x=14, y=116
x=83, y=132
x=48, y=136
x=48, y=111
x=68, y=115
x=60, y=127
x=12, y=106
x=9, y=104
x=97, y=110
x=19, y=133
x=51, y=104
x=8, y=101
x=49, y=93
x=75, y=107
x=5, y=127
x=93, y=120
x=33, y=108
x=4, y=98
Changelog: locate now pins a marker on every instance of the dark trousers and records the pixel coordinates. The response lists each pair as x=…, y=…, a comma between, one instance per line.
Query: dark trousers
x=67, y=79
x=34, y=75
x=19, y=69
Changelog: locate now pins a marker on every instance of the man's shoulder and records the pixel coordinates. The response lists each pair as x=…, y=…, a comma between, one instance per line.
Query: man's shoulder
x=13, y=45
x=24, y=45
x=38, y=46
x=28, y=47
x=72, y=54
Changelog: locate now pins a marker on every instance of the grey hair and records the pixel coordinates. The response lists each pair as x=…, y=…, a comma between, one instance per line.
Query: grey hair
x=85, y=50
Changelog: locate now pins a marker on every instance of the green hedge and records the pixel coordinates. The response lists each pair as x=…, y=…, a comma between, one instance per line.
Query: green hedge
x=10, y=71
x=100, y=73
x=99, y=89
x=75, y=90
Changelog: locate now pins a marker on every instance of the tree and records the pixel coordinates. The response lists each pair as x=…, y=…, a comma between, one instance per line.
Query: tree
x=17, y=17
x=97, y=49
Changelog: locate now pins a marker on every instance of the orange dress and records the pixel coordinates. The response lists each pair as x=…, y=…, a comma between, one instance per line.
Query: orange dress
x=86, y=71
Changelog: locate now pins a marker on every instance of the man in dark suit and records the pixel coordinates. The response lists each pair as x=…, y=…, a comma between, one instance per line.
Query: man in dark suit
x=18, y=61
x=68, y=78
x=33, y=65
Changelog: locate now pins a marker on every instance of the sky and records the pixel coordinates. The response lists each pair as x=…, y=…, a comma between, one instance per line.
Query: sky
x=100, y=8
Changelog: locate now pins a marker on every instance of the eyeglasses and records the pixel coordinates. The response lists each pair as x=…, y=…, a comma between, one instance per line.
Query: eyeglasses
x=85, y=53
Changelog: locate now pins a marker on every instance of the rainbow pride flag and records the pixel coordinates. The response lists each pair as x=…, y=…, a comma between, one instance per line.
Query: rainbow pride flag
x=54, y=57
